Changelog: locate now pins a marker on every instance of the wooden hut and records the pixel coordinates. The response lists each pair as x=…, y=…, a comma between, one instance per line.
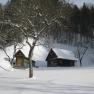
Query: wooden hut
x=22, y=60
x=60, y=58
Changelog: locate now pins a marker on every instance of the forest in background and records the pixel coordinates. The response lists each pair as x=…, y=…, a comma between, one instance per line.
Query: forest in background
x=73, y=25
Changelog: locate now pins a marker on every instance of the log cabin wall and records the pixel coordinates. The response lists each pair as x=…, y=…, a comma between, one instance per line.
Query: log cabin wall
x=19, y=61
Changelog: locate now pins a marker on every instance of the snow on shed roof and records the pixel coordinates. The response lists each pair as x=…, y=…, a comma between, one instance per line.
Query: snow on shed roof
x=65, y=54
x=39, y=52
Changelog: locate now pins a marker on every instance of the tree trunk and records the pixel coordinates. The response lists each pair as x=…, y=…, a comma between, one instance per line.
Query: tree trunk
x=80, y=62
x=79, y=56
x=30, y=58
x=30, y=62
x=30, y=69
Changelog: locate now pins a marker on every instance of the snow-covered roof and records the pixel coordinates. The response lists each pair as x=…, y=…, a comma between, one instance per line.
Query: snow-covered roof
x=65, y=54
x=39, y=52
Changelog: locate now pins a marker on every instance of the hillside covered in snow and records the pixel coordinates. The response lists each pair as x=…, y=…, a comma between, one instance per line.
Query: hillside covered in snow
x=40, y=53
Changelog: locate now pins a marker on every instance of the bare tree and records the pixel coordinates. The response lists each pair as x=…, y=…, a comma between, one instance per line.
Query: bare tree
x=10, y=59
x=81, y=51
x=33, y=19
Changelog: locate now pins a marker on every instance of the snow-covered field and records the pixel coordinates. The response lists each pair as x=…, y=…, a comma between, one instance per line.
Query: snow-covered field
x=72, y=80
x=48, y=81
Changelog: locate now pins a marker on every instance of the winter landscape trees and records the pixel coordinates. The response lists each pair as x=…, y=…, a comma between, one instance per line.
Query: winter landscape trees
x=32, y=19
x=39, y=19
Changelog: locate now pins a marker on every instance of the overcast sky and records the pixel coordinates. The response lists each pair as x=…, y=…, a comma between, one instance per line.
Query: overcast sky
x=3, y=1
x=78, y=2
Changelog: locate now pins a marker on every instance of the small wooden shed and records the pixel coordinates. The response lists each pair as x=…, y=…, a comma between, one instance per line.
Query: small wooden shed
x=20, y=59
x=60, y=58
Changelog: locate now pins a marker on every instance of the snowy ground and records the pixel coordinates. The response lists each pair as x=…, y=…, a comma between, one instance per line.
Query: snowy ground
x=48, y=81
x=40, y=53
x=74, y=80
